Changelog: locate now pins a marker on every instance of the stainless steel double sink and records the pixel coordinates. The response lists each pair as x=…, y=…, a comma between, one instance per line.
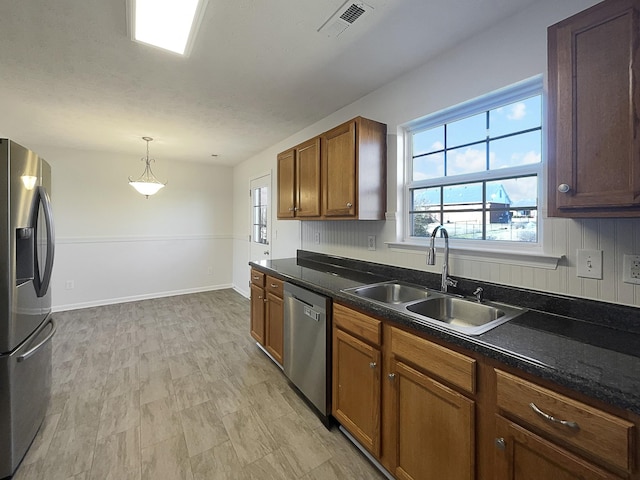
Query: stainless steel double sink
x=433, y=307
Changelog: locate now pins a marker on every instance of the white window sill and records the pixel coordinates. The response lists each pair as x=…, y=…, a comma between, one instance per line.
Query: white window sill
x=525, y=258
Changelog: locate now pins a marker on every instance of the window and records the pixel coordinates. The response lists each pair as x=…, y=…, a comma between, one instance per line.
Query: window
x=475, y=168
x=259, y=207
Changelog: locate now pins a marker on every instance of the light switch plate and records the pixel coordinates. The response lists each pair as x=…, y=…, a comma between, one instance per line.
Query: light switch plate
x=631, y=269
x=589, y=264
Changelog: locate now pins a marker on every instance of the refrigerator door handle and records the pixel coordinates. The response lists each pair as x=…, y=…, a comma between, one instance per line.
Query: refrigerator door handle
x=33, y=350
x=43, y=284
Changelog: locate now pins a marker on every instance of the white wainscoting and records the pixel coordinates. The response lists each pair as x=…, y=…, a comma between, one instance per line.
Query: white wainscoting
x=108, y=270
x=615, y=237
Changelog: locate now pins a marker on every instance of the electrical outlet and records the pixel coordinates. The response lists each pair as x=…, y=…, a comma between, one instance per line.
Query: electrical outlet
x=371, y=242
x=69, y=285
x=316, y=238
x=589, y=264
x=631, y=269
x=210, y=271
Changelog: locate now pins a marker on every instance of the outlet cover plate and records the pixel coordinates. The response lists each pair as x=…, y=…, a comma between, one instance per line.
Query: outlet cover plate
x=371, y=242
x=631, y=269
x=589, y=264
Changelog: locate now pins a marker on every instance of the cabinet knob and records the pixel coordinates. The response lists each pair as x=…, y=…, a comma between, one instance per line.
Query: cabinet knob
x=373, y=365
x=349, y=205
x=500, y=443
x=391, y=377
x=564, y=188
x=291, y=209
x=265, y=300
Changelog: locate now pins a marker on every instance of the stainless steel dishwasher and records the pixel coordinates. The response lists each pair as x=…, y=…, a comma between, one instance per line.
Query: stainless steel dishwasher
x=307, y=359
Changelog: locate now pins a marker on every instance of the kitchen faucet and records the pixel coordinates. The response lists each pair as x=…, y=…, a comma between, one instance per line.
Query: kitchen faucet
x=431, y=258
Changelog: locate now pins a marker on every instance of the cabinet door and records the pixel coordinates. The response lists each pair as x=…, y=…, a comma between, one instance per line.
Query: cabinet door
x=308, y=178
x=339, y=171
x=521, y=455
x=356, y=388
x=434, y=428
x=286, y=184
x=257, y=313
x=593, y=96
x=274, y=335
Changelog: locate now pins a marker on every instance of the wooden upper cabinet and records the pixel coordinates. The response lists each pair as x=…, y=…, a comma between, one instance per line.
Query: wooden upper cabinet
x=299, y=181
x=354, y=170
x=287, y=183
x=308, y=178
x=594, y=137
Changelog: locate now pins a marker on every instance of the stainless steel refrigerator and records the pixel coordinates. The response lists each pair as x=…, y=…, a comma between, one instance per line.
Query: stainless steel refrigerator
x=26, y=327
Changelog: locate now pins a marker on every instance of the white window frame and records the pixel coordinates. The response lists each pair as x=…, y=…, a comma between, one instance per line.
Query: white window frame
x=528, y=88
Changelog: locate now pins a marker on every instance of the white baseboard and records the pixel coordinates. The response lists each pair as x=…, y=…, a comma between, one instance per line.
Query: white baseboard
x=244, y=293
x=135, y=298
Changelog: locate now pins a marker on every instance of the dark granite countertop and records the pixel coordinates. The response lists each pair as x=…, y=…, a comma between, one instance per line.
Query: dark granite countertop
x=587, y=346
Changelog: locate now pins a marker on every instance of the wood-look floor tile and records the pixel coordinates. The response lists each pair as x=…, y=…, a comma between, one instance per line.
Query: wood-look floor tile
x=71, y=451
x=157, y=385
x=268, y=401
x=220, y=461
x=119, y=413
x=203, y=428
x=229, y=396
x=249, y=435
x=159, y=420
x=191, y=390
x=122, y=381
x=151, y=362
x=213, y=368
x=124, y=357
x=182, y=365
x=40, y=446
x=274, y=466
x=118, y=457
x=30, y=471
x=82, y=408
x=167, y=460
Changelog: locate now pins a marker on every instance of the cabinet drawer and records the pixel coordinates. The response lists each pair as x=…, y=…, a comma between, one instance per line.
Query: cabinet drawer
x=451, y=366
x=585, y=427
x=257, y=278
x=274, y=285
x=359, y=324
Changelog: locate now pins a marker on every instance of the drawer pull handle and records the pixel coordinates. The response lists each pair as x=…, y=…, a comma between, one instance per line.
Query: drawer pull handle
x=552, y=419
x=273, y=285
x=256, y=278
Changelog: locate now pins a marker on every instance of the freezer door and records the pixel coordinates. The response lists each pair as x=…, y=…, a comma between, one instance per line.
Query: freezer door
x=25, y=390
x=22, y=309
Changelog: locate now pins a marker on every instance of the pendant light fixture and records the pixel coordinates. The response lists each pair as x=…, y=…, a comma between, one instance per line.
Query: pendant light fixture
x=147, y=184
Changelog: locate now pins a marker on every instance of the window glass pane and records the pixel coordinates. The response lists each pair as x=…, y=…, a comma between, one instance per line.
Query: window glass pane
x=463, y=224
x=423, y=199
x=467, y=160
x=516, y=117
x=463, y=196
x=521, y=226
x=428, y=141
x=520, y=149
x=468, y=130
x=429, y=166
x=513, y=192
x=263, y=196
x=423, y=223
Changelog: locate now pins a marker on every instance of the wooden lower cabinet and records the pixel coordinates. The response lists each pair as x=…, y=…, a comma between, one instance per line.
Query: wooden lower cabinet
x=434, y=428
x=356, y=388
x=267, y=313
x=522, y=455
x=274, y=336
x=258, y=301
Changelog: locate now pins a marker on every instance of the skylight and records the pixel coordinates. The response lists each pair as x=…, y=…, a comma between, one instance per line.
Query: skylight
x=167, y=24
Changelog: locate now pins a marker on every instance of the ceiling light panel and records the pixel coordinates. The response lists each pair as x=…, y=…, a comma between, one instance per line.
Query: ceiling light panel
x=167, y=24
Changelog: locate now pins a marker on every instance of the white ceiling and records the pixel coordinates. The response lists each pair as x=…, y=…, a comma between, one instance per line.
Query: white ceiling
x=259, y=71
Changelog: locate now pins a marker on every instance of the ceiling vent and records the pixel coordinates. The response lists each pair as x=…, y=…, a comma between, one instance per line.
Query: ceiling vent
x=344, y=17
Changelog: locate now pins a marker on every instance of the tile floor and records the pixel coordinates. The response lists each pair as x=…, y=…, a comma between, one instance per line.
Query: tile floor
x=175, y=388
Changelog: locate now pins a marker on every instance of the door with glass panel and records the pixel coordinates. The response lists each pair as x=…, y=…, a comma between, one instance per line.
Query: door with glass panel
x=260, y=233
